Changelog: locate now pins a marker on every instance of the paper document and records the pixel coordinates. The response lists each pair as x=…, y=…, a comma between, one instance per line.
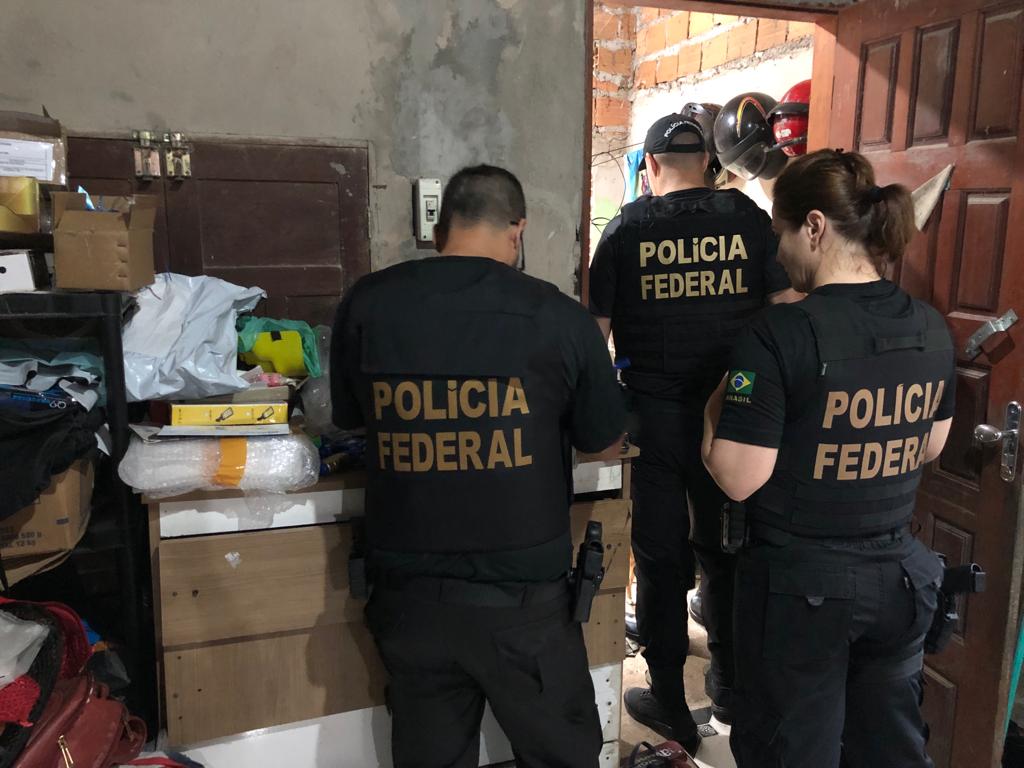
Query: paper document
x=26, y=158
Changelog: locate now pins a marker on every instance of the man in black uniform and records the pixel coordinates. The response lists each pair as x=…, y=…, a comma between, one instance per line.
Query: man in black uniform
x=830, y=410
x=473, y=381
x=675, y=277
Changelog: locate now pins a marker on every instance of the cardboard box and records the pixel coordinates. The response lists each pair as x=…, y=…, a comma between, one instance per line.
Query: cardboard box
x=56, y=522
x=22, y=272
x=33, y=145
x=236, y=413
x=24, y=208
x=103, y=250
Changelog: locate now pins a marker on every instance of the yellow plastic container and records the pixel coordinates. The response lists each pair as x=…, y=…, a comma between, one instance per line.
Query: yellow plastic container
x=278, y=352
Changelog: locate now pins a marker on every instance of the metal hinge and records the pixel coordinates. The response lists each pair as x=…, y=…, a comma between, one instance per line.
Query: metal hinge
x=146, y=154
x=178, y=155
x=988, y=329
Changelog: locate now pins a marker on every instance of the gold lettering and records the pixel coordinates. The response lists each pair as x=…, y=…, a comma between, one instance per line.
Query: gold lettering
x=861, y=398
x=740, y=287
x=382, y=397
x=927, y=400
x=891, y=464
x=726, y=281
x=838, y=402
x=939, y=389
x=923, y=450
x=683, y=257
x=422, y=452
x=383, y=448
x=446, y=452
x=825, y=458
x=737, y=248
x=522, y=460
x=468, y=409
x=704, y=243
x=848, y=461
x=646, y=251
x=897, y=417
x=412, y=410
x=881, y=419
x=492, y=398
x=872, y=461
x=692, y=287
x=402, y=451
x=515, y=398
x=646, y=281
x=707, y=283
x=469, y=450
x=429, y=411
x=499, y=451
x=661, y=286
x=453, y=399
x=666, y=252
x=913, y=412
x=675, y=282
x=910, y=455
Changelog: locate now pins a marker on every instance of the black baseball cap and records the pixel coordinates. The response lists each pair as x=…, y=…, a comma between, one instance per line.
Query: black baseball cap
x=660, y=135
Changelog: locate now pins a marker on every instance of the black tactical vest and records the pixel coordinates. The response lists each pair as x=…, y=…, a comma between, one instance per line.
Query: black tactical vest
x=850, y=466
x=690, y=272
x=465, y=449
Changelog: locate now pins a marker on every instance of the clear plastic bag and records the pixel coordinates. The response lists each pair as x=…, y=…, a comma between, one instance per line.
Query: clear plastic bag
x=316, y=392
x=173, y=467
x=20, y=642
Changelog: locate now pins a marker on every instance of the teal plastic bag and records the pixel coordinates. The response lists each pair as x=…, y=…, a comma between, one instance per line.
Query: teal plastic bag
x=250, y=327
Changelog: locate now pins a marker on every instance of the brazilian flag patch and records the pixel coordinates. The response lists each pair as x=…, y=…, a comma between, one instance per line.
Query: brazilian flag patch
x=741, y=382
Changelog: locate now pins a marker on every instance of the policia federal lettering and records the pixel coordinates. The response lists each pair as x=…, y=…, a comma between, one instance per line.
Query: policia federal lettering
x=500, y=444
x=693, y=281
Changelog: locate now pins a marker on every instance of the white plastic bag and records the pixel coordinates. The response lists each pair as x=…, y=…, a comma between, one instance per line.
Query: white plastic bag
x=20, y=642
x=182, y=342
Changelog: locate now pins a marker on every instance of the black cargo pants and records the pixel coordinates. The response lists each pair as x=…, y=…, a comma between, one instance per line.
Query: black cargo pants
x=829, y=655
x=669, y=480
x=446, y=655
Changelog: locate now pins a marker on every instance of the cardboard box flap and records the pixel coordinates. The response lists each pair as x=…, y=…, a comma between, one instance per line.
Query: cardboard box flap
x=71, y=215
x=29, y=124
x=19, y=195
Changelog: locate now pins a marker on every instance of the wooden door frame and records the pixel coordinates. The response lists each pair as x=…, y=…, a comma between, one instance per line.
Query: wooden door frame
x=821, y=101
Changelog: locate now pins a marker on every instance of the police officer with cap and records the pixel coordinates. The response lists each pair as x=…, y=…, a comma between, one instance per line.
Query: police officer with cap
x=829, y=411
x=474, y=381
x=675, y=277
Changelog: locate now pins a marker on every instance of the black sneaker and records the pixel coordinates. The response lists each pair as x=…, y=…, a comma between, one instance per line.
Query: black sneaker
x=696, y=608
x=676, y=726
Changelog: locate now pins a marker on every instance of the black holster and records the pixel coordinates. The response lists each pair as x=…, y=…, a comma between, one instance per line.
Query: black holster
x=734, y=526
x=961, y=580
x=588, y=574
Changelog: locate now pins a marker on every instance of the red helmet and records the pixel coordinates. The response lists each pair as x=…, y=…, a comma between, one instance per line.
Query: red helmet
x=789, y=119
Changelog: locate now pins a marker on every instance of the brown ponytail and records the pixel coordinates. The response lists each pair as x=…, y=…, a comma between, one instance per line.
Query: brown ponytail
x=842, y=186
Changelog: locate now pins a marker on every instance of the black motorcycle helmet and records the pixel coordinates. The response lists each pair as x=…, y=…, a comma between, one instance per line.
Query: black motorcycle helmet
x=744, y=140
x=703, y=115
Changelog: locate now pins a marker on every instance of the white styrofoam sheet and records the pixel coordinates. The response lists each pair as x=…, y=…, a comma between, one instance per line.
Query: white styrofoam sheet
x=199, y=518
x=362, y=739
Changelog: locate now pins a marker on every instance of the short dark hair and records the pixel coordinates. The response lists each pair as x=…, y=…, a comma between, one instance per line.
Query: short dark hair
x=842, y=186
x=481, y=194
x=683, y=161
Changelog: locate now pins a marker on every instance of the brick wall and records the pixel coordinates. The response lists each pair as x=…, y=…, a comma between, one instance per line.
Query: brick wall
x=614, y=44
x=671, y=45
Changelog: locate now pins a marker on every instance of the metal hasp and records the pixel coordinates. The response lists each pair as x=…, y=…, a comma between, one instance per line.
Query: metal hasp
x=178, y=156
x=986, y=434
x=989, y=328
x=146, y=155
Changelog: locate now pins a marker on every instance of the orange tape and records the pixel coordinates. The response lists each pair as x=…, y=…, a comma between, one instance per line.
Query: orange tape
x=232, y=462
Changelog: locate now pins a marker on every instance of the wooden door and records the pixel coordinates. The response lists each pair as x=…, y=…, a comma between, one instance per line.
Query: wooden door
x=290, y=218
x=920, y=84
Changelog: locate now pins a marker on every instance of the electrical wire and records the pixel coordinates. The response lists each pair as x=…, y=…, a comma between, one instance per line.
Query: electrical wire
x=622, y=200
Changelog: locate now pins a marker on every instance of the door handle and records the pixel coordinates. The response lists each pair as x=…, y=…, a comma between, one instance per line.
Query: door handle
x=986, y=435
x=988, y=328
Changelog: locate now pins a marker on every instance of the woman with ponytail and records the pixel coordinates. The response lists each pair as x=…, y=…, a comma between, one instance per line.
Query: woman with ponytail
x=828, y=413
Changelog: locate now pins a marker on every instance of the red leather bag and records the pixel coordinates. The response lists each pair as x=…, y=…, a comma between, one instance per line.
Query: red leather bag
x=82, y=728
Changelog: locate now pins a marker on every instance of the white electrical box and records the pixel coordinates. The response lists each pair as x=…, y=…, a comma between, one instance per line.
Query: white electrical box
x=428, y=208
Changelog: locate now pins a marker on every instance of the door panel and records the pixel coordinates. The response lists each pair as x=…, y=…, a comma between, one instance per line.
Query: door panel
x=919, y=85
x=289, y=218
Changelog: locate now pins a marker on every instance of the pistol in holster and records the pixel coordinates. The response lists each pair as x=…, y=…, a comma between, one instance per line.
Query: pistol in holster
x=961, y=580
x=734, y=526
x=588, y=574
x=358, y=580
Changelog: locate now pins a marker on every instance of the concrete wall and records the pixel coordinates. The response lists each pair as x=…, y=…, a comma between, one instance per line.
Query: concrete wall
x=433, y=84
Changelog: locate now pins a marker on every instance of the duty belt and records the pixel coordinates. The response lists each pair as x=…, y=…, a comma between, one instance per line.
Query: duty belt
x=479, y=594
x=771, y=535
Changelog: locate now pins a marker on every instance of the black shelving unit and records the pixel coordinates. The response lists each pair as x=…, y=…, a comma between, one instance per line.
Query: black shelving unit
x=104, y=313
